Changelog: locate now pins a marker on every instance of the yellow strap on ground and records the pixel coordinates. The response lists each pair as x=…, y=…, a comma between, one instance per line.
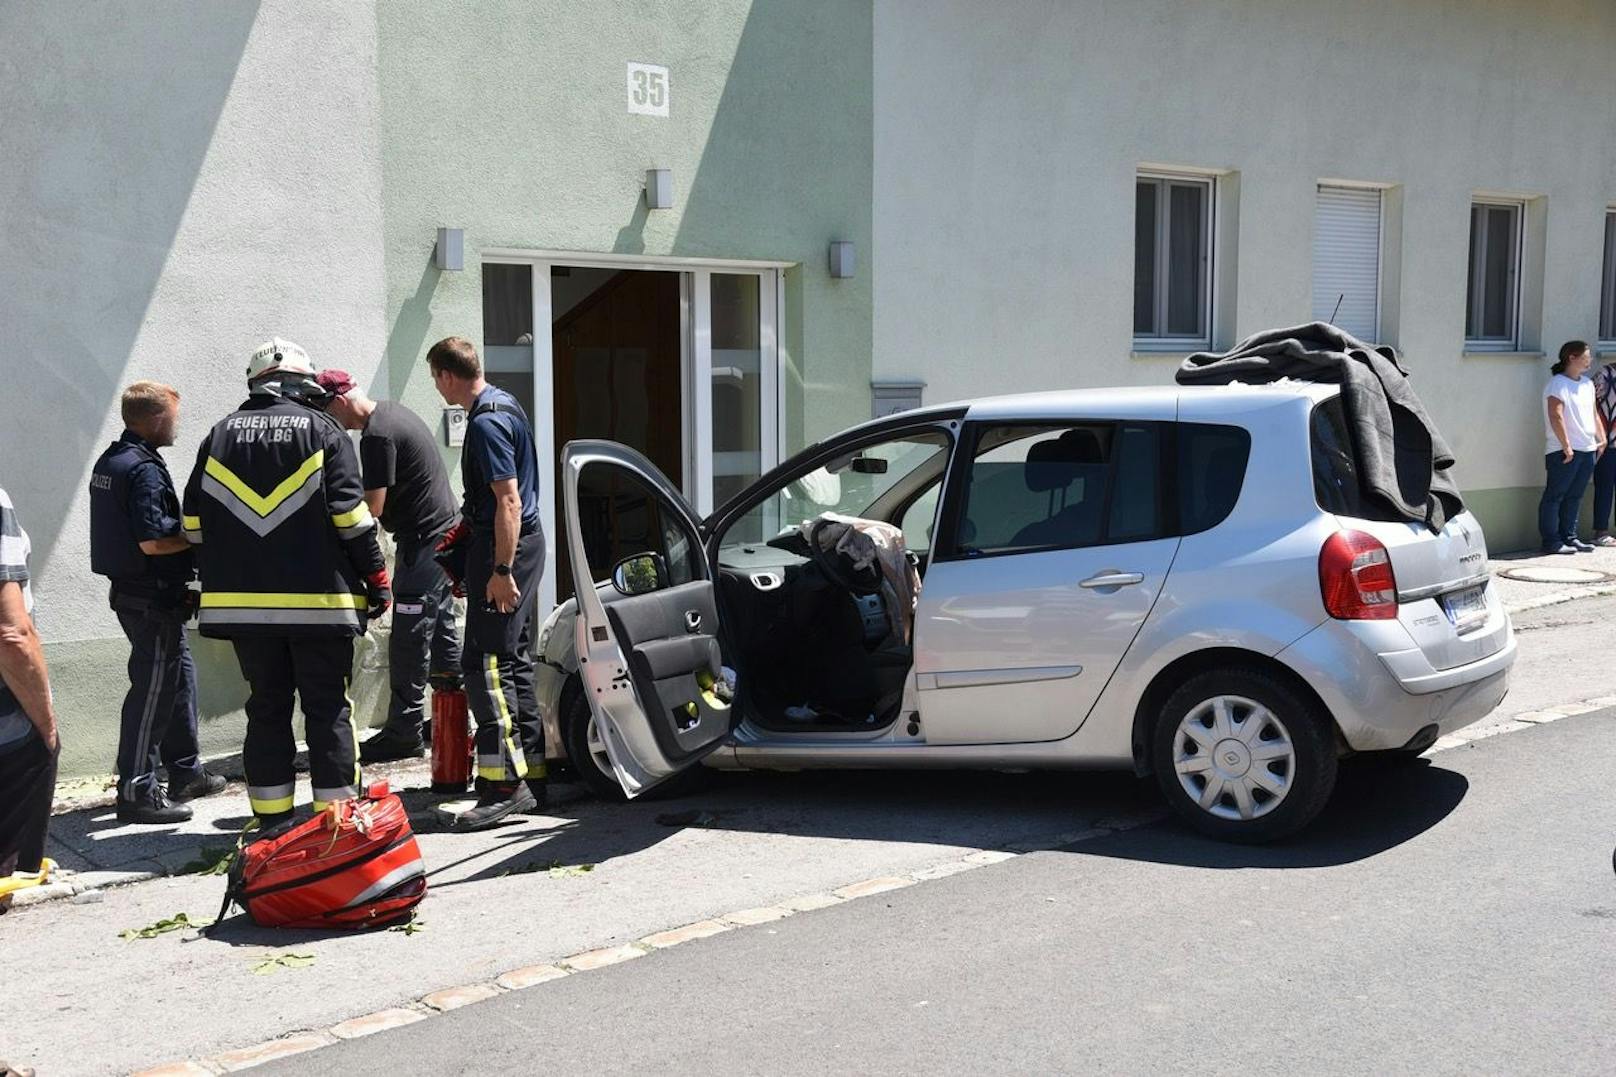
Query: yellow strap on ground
x=264, y=505
x=269, y=600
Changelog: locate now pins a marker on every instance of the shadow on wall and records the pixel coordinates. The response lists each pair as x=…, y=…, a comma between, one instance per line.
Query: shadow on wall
x=105, y=118
x=794, y=131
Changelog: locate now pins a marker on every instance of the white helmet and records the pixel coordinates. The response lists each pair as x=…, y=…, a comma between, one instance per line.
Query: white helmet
x=276, y=354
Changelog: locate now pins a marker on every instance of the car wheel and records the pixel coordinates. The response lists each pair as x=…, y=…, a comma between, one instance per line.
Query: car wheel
x=585, y=750
x=586, y=754
x=1242, y=756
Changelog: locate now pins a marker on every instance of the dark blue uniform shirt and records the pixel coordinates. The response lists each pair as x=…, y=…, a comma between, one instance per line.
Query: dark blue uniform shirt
x=499, y=445
x=132, y=500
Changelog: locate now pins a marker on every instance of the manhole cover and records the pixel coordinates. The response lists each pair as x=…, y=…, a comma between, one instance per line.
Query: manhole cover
x=1551, y=574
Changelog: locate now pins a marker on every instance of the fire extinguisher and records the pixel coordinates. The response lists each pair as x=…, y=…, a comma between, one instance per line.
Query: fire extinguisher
x=451, y=736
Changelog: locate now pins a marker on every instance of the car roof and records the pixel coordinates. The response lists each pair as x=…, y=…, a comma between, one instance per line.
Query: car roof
x=1145, y=401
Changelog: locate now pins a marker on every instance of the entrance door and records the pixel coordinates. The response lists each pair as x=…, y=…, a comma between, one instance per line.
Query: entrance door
x=618, y=355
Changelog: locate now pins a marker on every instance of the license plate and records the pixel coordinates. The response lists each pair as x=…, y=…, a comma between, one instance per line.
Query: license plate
x=1467, y=608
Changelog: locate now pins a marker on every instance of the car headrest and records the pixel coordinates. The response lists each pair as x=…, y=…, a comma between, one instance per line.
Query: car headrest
x=1056, y=464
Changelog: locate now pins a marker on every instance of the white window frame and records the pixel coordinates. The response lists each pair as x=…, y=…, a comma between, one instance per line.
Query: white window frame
x=1164, y=341
x=1607, y=284
x=697, y=370
x=1475, y=267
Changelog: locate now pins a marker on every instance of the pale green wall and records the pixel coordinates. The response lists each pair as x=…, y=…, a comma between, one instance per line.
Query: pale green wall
x=509, y=120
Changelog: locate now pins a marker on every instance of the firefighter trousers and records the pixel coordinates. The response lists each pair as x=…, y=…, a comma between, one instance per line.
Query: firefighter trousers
x=498, y=665
x=423, y=640
x=317, y=669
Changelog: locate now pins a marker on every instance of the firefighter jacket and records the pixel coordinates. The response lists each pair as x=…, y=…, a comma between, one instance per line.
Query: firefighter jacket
x=276, y=511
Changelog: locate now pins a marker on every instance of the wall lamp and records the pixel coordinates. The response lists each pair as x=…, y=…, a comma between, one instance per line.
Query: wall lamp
x=659, y=188
x=450, y=253
x=843, y=259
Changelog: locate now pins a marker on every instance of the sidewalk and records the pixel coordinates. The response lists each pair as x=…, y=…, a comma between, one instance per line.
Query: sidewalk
x=1530, y=580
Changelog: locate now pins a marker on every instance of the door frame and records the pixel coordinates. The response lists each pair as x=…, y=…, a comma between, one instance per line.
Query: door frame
x=696, y=367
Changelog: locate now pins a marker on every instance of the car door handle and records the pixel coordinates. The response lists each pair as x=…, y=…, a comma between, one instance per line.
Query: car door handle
x=692, y=621
x=1113, y=579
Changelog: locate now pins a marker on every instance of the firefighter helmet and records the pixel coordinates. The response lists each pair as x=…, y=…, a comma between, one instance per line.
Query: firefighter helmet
x=280, y=355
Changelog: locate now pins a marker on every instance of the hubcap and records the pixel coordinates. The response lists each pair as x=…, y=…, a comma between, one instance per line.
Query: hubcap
x=597, y=747
x=1234, y=757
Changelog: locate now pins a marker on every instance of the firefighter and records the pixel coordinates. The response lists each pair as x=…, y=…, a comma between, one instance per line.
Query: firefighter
x=135, y=542
x=291, y=572
x=504, y=559
x=407, y=489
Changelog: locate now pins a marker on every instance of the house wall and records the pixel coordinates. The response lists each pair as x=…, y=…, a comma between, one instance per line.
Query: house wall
x=1006, y=149
x=177, y=183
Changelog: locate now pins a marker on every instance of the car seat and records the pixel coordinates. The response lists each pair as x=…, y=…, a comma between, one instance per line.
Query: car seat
x=1052, y=468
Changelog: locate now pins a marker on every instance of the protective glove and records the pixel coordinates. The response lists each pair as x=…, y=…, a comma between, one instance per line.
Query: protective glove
x=451, y=552
x=378, y=594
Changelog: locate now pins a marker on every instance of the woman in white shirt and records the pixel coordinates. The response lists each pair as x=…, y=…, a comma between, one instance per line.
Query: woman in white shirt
x=1574, y=438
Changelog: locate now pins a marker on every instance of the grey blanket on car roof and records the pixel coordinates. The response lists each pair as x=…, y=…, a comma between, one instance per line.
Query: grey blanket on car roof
x=1403, y=463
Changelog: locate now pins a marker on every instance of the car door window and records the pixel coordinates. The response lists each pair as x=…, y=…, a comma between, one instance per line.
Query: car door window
x=1034, y=487
x=918, y=519
x=857, y=483
x=619, y=517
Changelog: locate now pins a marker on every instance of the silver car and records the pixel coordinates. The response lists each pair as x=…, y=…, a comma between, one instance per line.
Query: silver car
x=1184, y=582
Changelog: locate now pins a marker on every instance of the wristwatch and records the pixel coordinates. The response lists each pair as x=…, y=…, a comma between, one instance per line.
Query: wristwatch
x=502, y=569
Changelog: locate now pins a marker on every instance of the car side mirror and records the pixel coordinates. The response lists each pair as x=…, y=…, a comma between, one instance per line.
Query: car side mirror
x=640, y=574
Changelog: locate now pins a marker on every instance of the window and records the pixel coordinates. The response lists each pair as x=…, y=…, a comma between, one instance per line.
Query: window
x=1211, y=471
x=1607, y=295
x=918, y=519
x=1492, y=300
x=620, y=516
x=1346, y=260
x=1044, y=487
x=1336, y=484
x=1172, y=277
x=851, y=484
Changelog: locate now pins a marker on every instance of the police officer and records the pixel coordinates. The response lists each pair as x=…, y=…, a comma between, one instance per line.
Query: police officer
x=500, y=526
x=291, y=572
x=407, y=489
x=135, y=541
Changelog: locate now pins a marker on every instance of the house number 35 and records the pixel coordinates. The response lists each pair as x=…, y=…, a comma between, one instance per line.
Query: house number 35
x=647, y=89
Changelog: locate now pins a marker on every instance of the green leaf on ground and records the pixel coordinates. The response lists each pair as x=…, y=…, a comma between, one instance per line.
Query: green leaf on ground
x=212, y=860
x=276, y=962
x=410, y=926
x=555, y=868
x=178, y=922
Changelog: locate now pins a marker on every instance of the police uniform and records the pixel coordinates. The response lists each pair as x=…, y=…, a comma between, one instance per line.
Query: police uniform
x=285, y=547
x=497, y=658
x=132, y=500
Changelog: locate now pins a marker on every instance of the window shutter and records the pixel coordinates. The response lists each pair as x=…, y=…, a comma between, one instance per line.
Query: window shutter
x=1346, y=259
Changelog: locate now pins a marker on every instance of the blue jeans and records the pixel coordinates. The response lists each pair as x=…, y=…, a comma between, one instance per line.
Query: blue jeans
x=1562, y=497
x=1604, y=490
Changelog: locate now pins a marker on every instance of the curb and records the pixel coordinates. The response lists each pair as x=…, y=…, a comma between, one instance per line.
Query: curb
x=1558, y=597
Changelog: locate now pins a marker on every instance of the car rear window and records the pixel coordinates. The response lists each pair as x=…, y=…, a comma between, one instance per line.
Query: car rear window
x=1211, y=471
x=1336, y=485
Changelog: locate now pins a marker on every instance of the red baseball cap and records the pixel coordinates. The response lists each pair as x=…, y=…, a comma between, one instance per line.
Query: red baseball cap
x=336, y=382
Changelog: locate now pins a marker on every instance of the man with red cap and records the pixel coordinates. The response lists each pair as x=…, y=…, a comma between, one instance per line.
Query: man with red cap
x=407, y=489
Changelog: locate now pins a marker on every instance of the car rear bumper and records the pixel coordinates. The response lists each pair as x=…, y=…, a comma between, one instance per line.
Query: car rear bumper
x=1380, y=696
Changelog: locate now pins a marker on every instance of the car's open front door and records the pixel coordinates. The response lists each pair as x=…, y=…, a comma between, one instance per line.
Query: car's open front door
x=647, y=621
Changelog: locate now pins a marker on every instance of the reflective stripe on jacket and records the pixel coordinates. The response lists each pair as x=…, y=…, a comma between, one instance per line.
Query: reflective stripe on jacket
x=277, y=511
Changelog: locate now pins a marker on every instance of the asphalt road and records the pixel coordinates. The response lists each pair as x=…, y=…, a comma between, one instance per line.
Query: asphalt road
x=1450, y=917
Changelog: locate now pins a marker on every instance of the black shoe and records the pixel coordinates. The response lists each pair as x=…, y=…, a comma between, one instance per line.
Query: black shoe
x=272, y=821
x=540, y=789
x=387, y=746
x=152, y=811
x=203, y=785
x=500, y=800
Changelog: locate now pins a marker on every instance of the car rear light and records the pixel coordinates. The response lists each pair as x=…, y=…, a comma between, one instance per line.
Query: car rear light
x=1355, y=578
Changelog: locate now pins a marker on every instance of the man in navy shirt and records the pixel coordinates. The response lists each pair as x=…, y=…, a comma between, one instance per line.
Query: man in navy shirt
x=136, y=542
x=500, y=519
